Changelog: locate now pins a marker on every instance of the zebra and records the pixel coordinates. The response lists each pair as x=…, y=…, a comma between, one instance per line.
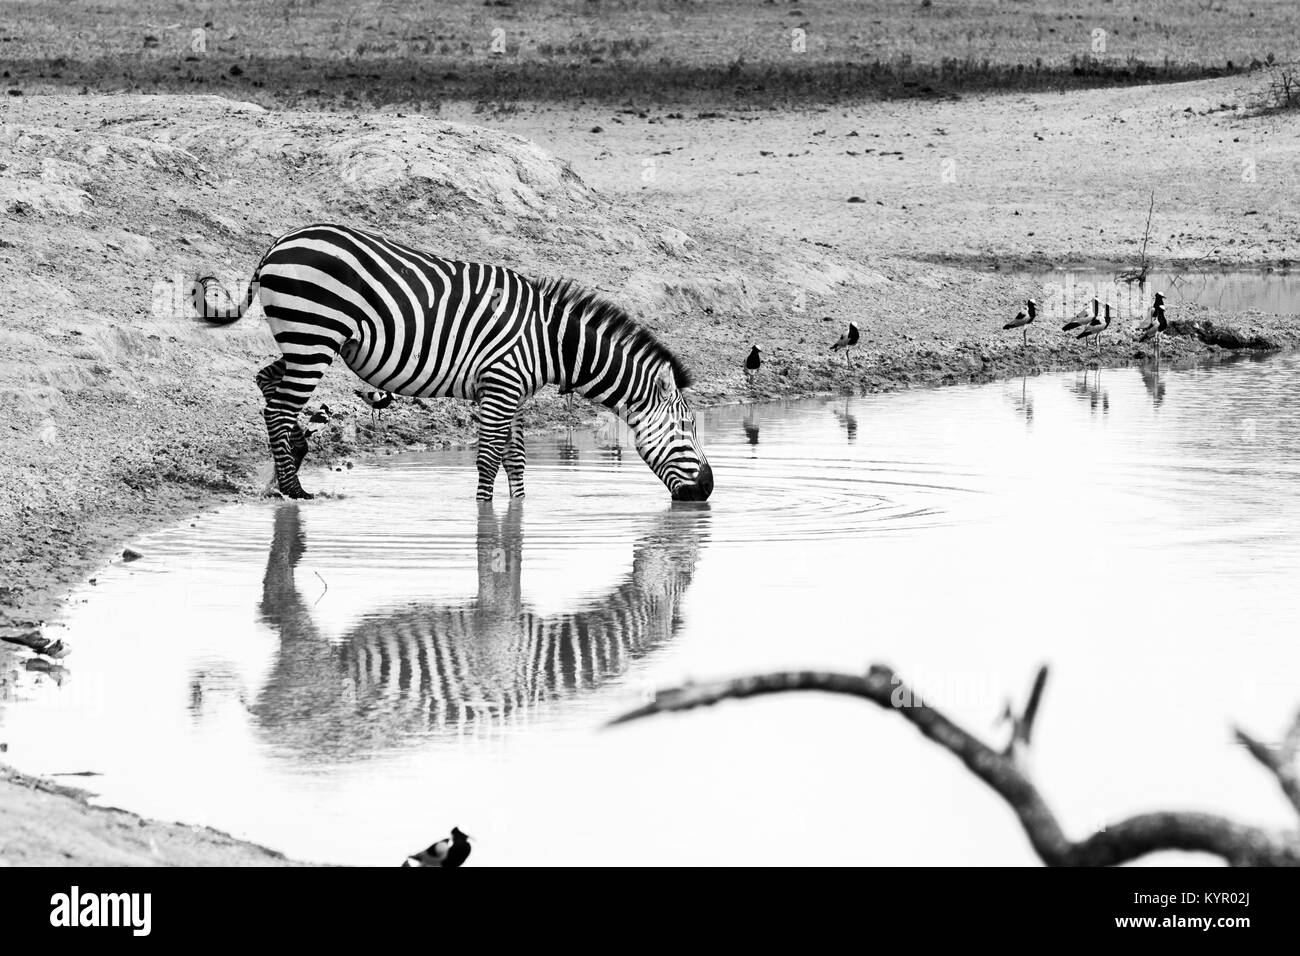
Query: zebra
x=424, y=326
x=461, y=666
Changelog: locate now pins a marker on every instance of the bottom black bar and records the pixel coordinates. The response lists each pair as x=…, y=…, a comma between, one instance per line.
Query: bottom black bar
x=327, y=905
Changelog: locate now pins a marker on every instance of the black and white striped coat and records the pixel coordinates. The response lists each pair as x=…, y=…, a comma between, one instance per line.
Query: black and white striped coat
x=419, y=325
x=462, y=667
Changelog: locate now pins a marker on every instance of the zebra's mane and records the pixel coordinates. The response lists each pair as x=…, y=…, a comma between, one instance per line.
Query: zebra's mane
x=605, y=313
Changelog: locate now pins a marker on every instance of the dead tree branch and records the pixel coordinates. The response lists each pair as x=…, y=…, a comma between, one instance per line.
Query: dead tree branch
x=1139, y=274
x=1238, y=844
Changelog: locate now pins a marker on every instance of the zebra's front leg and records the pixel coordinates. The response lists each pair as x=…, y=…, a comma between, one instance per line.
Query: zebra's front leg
x=492, y=441
x=514, y=460
x=281, y=426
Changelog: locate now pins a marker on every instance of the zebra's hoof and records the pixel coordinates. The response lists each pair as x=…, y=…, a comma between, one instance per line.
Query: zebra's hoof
x=298, y=494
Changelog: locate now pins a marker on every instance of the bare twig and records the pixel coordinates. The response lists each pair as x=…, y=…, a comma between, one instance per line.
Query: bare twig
x=1035, y=698
x=1140, y=274
x=322, y=593
x=1118, y=843
x=1146, y=233
x=1022, y=725
x=1279, y=761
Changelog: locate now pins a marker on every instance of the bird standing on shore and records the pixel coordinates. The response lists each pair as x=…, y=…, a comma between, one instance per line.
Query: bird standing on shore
x=1022, y=321
x=753, y=362
x=847, y=341
x=1081, y=320
x=1095, y=328
x=450, y=852
x=1155, y=323
x=377, y=401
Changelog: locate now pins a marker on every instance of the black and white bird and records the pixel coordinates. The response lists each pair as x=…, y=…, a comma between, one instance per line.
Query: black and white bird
x=1095, y=328
x=1082, y=319
x=847, y=341
x=753, y=361
x=298, y=439
x=1022, y=321
x=377, y=400
x=452, y=851
x=1155, y=321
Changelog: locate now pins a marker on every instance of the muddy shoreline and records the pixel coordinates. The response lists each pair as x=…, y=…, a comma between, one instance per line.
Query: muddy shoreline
x=30, y=603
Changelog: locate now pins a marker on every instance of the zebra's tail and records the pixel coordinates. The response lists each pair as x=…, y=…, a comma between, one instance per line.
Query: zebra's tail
x=216, y=305
x=232, y=310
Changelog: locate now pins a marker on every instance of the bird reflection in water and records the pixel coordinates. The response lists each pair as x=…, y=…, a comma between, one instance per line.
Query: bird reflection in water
x=565, y=449
x=1098, y=399
x=750, y=427
x=1024, y=402
x=461, y=667
x=1154, y=382
x=848, y=420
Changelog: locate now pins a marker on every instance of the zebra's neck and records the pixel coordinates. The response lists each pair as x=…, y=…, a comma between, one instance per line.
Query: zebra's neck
x=595, y=349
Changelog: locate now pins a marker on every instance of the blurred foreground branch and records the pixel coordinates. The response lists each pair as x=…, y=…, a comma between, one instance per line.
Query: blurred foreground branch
x=1003, y=771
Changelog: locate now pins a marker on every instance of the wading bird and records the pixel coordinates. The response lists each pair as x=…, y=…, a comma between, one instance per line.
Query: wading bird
x=1156, y=323
x=450, y=852
x=377, y=401
x=1022, y=320
x=847, y=341
x=1095, y=328
x=1082, y=320
x=753, y=362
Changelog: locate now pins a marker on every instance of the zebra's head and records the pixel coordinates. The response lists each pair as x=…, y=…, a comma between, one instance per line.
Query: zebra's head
x=666, y=439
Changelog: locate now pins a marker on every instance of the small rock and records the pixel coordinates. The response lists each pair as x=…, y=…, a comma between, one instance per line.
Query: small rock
x=598, y=129
x=130, y=554
x=856, y=199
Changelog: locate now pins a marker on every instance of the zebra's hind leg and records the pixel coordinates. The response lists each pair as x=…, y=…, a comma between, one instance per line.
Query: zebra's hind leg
x=514, y=460
x=284, y=432
x=283, y=404
x=499, y=400
x=268, y=379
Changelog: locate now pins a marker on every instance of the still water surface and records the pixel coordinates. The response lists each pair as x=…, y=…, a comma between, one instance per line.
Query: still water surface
x=1065, y=291
x=347, y=678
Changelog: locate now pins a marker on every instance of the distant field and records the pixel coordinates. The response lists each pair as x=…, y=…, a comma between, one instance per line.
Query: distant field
x=337, y=54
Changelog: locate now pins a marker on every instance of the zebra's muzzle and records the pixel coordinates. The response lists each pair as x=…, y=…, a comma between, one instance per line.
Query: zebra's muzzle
x=699, y=489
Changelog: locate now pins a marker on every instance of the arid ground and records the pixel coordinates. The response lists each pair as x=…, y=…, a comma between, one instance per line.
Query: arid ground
x=904, y=174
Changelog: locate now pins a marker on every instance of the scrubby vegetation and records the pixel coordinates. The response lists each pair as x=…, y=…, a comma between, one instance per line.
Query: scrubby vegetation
x=336, y=54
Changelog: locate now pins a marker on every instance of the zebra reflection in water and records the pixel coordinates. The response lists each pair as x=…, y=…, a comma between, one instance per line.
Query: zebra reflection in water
x=464, y=667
